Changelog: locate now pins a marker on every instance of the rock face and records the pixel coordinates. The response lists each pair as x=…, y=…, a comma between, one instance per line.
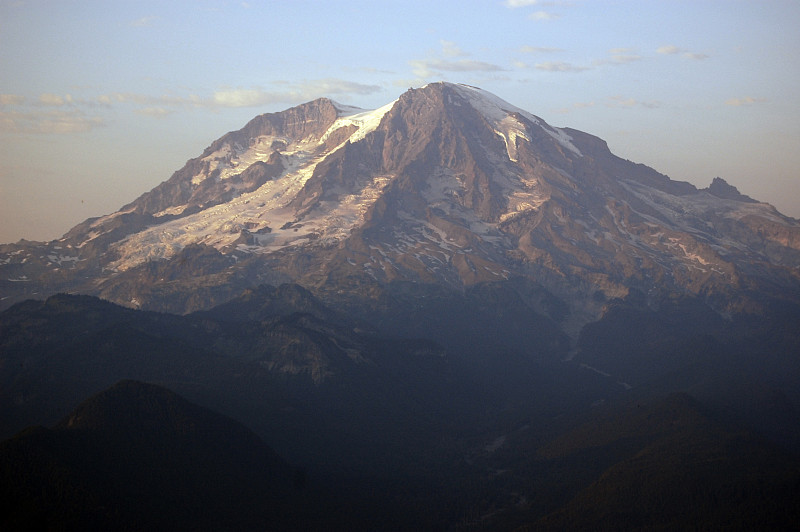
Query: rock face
x=448, y=185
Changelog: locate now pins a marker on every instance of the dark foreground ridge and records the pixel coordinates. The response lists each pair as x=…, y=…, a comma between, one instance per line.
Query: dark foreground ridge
x=137, y=457
x=398, y=434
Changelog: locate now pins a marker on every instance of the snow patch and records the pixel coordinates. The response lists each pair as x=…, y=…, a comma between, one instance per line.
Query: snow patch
x=365, y=121
x=231, y=160
x=263, y=215
x=60, y=259
x=496, y=110
x=598, y=371
x=510, y=130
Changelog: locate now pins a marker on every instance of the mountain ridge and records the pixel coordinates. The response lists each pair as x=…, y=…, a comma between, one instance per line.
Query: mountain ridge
x=448, y=185
x=137, y=456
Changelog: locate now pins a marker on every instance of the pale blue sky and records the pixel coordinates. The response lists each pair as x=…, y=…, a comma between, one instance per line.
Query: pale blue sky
x=102, y=100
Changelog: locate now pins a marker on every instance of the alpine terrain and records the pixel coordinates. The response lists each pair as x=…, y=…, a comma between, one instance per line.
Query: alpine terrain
x=442, y=314
x=447, y=185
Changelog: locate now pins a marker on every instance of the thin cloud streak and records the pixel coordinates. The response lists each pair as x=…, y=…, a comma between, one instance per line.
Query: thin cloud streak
x=425, y=68
x=11, y=99
x=451, y=49
x=543, y=15
x=52, y=113
x=155, y=112
x=558, y=66
x=435, y=66
x=671, y=49
x=55, y=100
x=747, y=100
x=144, y=21
x=48, y=122
x=520, y=3
x=576, y=105
x=623, y=102
x=540, y=50
x=222, y=97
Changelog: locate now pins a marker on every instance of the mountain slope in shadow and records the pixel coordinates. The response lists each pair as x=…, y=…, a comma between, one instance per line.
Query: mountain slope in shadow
x=669, y=465
x=137, y=456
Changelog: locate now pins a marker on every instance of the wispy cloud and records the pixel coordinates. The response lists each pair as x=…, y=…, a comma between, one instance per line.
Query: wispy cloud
x=11, y=99
x=242, y=97
x=559, y=66
x=540, y=50
x=332, y=87
x=289, y=92
x=576, y=105
x=671, y=49
x=513, y=4
x=144, y=21
x=426, y=68
x=155, y=112
x=451, y=49
x=695, y=56
x=627, y=102
x=520, y=3
x=49, y=122
x=441, y=62
x=49, y=113
x=619, y=56
x=282, y=92
x=747, y=100
x=536, y=15
x=621, y=59
x=621, y=101
x=55, y=100
x=148, y=100
x=52, y=113
x=543, y=15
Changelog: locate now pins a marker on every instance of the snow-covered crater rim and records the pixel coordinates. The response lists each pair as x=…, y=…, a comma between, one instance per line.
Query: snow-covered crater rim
x=497, y=110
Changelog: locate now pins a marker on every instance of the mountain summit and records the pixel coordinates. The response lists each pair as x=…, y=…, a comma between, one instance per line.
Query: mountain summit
x=448, y=185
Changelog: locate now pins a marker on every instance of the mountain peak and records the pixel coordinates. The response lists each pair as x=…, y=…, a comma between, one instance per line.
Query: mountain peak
x=721, y=189
x=139, y=457
x=448, y=184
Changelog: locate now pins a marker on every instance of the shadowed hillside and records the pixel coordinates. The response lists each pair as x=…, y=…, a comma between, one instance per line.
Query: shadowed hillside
x=138, y=457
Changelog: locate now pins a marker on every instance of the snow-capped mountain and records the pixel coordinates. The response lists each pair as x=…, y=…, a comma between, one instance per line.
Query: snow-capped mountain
x=447, y=185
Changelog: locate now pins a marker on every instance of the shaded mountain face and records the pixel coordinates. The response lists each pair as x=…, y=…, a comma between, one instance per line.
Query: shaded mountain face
x=667, y=464
x=137, y=456
x=317, y=391
x=446, y=186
